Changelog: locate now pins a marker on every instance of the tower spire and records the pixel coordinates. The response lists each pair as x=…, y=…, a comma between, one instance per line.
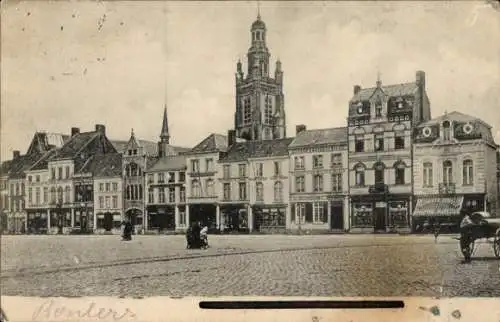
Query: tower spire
x=379, y=79
x=165, y=136
x=258, y=9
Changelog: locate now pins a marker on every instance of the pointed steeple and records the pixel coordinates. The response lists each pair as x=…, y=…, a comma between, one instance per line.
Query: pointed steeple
x=165, y=136
x=379, y=79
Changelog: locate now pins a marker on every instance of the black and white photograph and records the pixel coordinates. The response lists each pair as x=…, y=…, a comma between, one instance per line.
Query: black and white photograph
x=250, y=148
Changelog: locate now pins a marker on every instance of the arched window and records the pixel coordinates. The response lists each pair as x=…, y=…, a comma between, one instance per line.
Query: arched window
x=399, y=171
x=359, y=170
x=67, y=195
x=446, y=130
x=195, y=188
x=60, y=194
x=278, y=191
x=447, y=172
x=259, y=191
x=427, y=174
x=379, y=169
x=468, y=172
x=268, y=110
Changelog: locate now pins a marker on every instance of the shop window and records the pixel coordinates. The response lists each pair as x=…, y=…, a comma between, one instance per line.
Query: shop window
x=362, y=215
x=320, y=212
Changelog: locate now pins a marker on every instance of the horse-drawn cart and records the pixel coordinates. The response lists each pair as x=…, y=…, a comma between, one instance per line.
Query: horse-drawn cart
x=479, y=225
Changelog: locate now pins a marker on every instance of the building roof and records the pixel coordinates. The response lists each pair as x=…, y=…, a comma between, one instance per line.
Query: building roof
x=45, y=141
x=168, y=163
x=103, y=165
x=242, y=151
x=75, y=144
x=394, y=90
x=454, y=116
x=334, y=135
x=212, y=143
x=43, y=162
x=23, y=163
x=150, y=147
x=5, y=168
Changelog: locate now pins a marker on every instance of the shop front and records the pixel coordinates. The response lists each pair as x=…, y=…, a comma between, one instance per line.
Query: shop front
x=447, y=211
x=270, y=218
x=204, y=213
x=234, y=218
x=161, y=218
x=108, y=222
x=37, y=221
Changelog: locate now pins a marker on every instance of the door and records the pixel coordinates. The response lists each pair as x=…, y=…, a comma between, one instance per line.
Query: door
x=108, y=221
x=379, y=214
x=337, y=217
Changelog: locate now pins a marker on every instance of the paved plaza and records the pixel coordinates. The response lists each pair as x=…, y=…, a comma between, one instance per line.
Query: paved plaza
x=272, y=265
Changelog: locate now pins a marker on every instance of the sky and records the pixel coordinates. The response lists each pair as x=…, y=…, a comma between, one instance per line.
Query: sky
x=81, y=63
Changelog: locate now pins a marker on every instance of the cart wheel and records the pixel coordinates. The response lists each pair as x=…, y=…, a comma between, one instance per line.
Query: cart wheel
x=467, y=247
x=496, y=244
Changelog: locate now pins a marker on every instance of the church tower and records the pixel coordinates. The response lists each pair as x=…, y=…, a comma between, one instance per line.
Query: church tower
x=164, y=147
x=260, y=112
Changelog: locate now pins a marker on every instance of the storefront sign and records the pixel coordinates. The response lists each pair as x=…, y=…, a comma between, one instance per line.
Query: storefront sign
x=380, y=204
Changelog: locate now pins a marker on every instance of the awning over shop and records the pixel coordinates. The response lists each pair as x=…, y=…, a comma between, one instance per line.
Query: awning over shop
x=437, y=207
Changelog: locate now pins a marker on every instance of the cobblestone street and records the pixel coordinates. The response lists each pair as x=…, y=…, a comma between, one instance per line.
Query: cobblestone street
x=331, y=265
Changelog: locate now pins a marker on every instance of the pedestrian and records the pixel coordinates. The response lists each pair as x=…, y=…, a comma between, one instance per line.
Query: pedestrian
x=437, y=228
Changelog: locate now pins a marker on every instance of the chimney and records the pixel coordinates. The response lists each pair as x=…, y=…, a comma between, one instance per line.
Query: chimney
x=357, y=88
x=74, y=131
x=16, y=154
x=231, y=137
x=300, y=128
x=420, y=78
x=100, y=128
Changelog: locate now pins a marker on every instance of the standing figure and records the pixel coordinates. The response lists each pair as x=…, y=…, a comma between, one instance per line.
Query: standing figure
x=127, y=231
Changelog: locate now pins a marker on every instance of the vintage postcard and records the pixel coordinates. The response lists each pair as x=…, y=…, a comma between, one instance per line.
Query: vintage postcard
x=248, y=149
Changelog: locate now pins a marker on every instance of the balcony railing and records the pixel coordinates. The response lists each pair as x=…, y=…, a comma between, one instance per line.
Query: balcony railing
x=447, y=188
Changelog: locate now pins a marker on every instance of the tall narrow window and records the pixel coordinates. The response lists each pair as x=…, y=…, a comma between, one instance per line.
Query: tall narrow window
x=182, y=194
x=399, y=141
x=360, y=175
x=227, y=191
x=337, y=182
x=447, y=172
x=427, y=173
x=268, y=110
x=277, y=168
x=210, y=188
x=400, y=173
x=226, y=171
x=209, y=165
x=317, y=161
x=378, y=109
x=259, y=171
x=359, y=144
x=379, y=173
x=151, y=195
x=318, y=183
x=37, y=196
x=243, y=191
x=300, y=184
x=278, y=191
x=247, y=112
x=242, y=170
x=468, y=173
x=195, y=188
x=446, y=130
x=259, y=191
x=195, y=166
x=379, y=142
x=161, y=195
x=171, y=195
x=299, y=163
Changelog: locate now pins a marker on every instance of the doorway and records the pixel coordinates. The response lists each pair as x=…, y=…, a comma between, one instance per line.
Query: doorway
x=337, y=217
x=379, y=214
x=108, y=221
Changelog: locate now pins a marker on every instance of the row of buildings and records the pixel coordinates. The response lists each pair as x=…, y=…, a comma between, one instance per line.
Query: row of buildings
x=390, y=168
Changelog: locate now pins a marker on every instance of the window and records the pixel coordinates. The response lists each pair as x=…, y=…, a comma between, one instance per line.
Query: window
x=108, y=186
x=115, y=202
x=259, y=191
x=210, y=188
x=400, y=173
x=379, y=142
x=195, y=166
x=242, y=170
x=278, y=191
x=161, y=177
x=359, y=144
x=336, y=160
x=468, y=174
x=243, y=190
x=53, y=195
x=427, y=173
x=259, y=173
x=53, y=174
x=360, y=175
x=209, y=165
x=446, y=130
x=67, y=195
x=447, y=172
x=317, y=161
x=151, y=195
x=227, y=191
x=37, y=196
x=318, y=183
x=67, y=172
x=277, y=168
x=45, y=195
x=182, y=194
x=171, y=195
x=101, y=202
x=267, y=134
x=161, y=195
x=300, y=213
x=379, y=173
x=101, y=187
x=171, y=177
x=115, y=186
x=29, y=178
x=182, y=176
x=337, y=182
x=59, y=173
x=30, y=196
x=108, y=203
x=300, y=184
x=226, y=171
x=268, y=110
x=299, y=163
x=378, y=109
x=319, y=214
x=247, y=112
x=399, y=141
x=151, y=178
x=195, y=188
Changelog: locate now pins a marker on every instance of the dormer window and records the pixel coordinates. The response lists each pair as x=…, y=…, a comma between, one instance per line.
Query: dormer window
x=446, y=130
x=359, y=108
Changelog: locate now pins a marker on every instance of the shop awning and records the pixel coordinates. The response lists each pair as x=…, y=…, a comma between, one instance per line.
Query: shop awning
x=436, y=207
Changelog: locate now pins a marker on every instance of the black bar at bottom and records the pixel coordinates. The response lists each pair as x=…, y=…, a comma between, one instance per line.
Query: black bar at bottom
x=280, y=305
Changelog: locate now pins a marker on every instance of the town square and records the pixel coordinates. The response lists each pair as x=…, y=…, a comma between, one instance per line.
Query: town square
x=387, y=185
